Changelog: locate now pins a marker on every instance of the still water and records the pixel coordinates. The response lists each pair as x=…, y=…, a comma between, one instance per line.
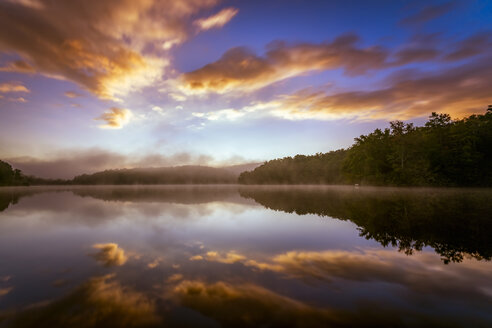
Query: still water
x=240, y=256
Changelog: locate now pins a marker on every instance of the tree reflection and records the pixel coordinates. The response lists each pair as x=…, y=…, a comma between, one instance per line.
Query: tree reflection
x=10, y=196
x=456, y=223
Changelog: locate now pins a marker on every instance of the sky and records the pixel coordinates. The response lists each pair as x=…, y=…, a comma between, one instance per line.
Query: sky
x=96, y=84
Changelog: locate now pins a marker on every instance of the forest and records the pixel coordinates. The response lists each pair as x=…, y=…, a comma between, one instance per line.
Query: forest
x=443, y=152
x=186, y=174
x=10, y=176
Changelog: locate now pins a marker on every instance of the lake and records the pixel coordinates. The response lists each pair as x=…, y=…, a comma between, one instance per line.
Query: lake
x=245, y=256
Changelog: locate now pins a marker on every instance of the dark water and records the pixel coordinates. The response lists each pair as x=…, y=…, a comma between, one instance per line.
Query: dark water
x=212, y=256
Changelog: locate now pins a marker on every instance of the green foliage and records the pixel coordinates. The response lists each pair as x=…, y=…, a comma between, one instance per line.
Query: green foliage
x=440, y=153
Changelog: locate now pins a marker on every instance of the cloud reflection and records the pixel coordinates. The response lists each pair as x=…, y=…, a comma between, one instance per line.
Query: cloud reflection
x=110, y=254
x=100, y=302
x=250, y=305
x=5, y=291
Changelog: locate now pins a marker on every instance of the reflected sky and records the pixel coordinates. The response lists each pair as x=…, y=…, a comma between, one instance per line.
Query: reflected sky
x=236, y=256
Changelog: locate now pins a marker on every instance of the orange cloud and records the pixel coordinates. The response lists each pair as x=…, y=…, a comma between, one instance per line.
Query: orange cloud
x=18, y=66
x=72, y=94
x=110, y=254
x=230, y=257
x=217, y=20
x=35, y=4
x=115, y=118
x=239, y=68
x=97, y=44
x=13, y=87
x=459, y=91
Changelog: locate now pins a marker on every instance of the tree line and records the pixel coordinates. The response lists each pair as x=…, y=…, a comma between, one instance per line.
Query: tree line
x=164, y=175
x=443, y=152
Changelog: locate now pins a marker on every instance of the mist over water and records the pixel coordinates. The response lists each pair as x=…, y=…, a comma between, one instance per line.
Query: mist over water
x=244, y=256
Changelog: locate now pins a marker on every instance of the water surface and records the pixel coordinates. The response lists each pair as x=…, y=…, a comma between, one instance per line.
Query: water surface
x=243, y=256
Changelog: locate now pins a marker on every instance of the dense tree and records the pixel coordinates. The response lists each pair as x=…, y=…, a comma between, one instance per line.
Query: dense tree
x=443, y=152
x=319, y=168
x=10, y=176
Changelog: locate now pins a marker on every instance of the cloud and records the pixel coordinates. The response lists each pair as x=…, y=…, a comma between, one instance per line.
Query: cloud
x=459, y=91
x=115, y=118
x=35, y=4
x=415, y=54
x=428, y=13
x=158, y=109
x=72, y=94
x=229, y=114
x=239, y=68
x=108, y=47
x=217, y=20
x=110, y=254
x=67, y=164
x=13, y=87
x=18, y=66
x=229, y=257
x=476, y=44
x=177, y=97
x=18, y=100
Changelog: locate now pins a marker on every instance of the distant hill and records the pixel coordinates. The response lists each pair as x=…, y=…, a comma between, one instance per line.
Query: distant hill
x=240, y=168
x=164, y=175
x=187, y=174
